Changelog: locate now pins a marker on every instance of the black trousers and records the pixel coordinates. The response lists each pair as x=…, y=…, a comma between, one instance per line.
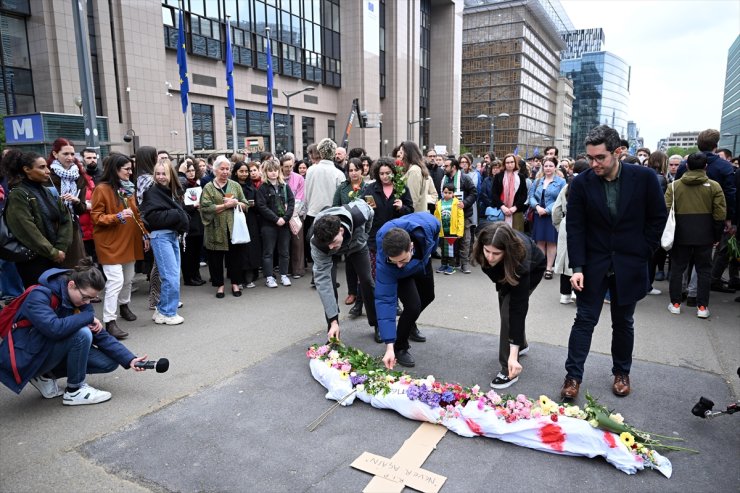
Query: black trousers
x=234, y=265
x=191, y=258
x=701, y=256
x=416, y=293
x=31, y=271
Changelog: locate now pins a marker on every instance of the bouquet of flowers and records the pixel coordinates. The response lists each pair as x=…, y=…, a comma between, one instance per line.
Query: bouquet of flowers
x=542, y=424
x=399, y=180
x=354, y=194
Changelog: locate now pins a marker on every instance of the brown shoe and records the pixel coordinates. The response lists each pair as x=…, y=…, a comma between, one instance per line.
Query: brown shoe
x=350, y=299
x=570, y=388
x=621, y=385
x=126, y=313
x=114, y=330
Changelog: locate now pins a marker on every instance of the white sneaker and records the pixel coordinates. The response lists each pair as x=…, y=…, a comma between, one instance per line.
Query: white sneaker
x=655, y=292
x=173, y=320
x=85, y=395
x=203, y=264
x=701, y=312
x=250, y=285
x=565, y=299
x=674, y=308
x=47, y=386
x=179, y=304
x=156, y=315
x=270, y=282
x=285, y=281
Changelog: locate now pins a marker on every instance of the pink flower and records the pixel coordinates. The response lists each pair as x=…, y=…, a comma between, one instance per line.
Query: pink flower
x=481, y=404
x=521, y=398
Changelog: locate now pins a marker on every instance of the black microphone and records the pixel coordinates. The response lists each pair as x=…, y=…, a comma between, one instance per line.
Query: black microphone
x=161, y=365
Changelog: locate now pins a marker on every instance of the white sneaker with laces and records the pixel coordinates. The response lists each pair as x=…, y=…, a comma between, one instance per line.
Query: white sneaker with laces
x=270, y=282
x=674, y=308
x=173, y=320
x=156, y=315
x=655, y=292
x=250, y=285
x=47, y=386
x=85, y=395
x=702, y=312
x=565, y=299
x=285, y=280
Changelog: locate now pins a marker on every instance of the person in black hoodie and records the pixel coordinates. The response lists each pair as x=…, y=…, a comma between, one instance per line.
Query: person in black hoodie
x=275, y=203
x=166, y=220
x=514, y=263
x=194, y=239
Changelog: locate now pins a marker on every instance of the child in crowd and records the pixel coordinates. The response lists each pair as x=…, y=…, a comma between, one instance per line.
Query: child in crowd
x=452, y=219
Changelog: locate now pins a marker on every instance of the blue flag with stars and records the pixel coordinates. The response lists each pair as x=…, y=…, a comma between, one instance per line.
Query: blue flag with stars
x=269, y=79
x=230, y=72
x=182, y=62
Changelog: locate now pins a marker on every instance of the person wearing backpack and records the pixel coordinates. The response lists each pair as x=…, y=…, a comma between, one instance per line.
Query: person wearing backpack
x=55, y=334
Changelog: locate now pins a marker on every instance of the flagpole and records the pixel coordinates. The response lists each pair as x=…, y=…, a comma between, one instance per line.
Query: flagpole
x=234, y=140
x=269, y=90
x=184, y=82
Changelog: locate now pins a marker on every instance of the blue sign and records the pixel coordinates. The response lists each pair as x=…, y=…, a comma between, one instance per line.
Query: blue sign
x=23, y=129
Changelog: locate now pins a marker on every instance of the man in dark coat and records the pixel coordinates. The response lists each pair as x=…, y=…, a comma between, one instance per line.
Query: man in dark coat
x=616, y=215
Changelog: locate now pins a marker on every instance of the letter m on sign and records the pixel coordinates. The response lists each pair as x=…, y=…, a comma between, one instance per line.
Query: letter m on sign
x=23, y=129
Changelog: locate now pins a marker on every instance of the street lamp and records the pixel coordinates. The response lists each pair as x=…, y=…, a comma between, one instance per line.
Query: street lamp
x=289, y=95
x=131, y=137
x=410, y=123
x=483, y=116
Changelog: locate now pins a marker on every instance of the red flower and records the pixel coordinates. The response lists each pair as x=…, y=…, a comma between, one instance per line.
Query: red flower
x=554, y=417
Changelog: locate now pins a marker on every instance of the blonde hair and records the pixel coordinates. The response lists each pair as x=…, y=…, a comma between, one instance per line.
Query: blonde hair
x=272, y=165
x=169, y=172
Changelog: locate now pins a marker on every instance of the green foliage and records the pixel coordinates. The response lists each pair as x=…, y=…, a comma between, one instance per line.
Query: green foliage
x=464, y=149
x=681, y=151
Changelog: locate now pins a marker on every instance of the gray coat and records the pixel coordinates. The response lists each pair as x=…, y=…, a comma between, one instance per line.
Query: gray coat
x=559, y=210
x=357, y=220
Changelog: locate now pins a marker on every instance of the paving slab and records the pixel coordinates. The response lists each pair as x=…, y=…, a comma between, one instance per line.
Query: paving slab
x=248, y=433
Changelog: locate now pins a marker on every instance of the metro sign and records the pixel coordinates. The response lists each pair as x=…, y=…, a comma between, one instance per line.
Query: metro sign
x=23, y=129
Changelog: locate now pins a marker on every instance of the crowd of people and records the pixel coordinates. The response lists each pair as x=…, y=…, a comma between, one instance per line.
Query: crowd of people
x=260, y=219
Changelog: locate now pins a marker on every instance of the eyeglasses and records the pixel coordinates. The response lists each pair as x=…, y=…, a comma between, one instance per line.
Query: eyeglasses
x=85, y=298
x=600, y=158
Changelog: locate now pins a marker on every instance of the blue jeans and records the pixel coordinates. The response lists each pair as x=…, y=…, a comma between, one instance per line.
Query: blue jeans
x=10, y=282
x=590, y=303
x=167, y=254
x=74, y=357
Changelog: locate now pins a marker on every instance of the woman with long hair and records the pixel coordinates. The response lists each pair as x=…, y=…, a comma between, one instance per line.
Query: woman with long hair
x=166, y=220
x=191, y=254
x=658, y=161
x=120, y=238
x=68, y=179
x=241, y=174
x=509, y=192
x=416, y=173
x=146, y=158
x=514, y=263
x=37, y=218
x=275, y=203
x=542, y=196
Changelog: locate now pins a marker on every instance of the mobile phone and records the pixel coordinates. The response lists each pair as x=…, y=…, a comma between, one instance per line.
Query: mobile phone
x=370, y=200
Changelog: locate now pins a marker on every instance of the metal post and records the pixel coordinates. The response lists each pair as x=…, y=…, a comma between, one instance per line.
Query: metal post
x=84, y=66
x=290, y=126
x=490, y=144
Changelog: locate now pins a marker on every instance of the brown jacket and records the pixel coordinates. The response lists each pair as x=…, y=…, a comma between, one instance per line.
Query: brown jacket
x=116, y=242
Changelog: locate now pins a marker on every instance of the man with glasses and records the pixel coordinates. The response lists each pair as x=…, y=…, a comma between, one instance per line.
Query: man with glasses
x=404, y=272
x=616, y=215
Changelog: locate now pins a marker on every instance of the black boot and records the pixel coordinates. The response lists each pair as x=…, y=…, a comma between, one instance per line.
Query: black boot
x=126, y=313
x=416, y=336
x=114, y=330
x=356, y=310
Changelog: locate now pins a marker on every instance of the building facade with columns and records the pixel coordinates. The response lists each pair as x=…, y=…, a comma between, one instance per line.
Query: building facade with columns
x=400, y=60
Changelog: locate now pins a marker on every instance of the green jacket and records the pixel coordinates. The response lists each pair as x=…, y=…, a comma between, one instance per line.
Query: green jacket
x=341, y=196
x=700, y=209
x=217, y=226
x=25, y=220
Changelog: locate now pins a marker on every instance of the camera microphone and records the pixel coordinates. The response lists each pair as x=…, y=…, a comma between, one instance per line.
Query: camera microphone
x=161, y=365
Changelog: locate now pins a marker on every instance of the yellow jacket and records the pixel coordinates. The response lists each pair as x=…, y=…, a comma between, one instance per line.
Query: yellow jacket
x=457, y=221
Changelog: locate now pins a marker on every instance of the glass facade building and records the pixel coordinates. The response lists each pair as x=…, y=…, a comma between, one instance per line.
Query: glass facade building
x=601, y=83
x=16, y=81
x=730, y=126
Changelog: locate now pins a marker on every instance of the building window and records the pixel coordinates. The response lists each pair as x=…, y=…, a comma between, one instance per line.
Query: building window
x=332, y=131
x=241, y=128
x=202, y=126
x=16, y=82
x=424, y=74
x=381, y=40
x=307, y=127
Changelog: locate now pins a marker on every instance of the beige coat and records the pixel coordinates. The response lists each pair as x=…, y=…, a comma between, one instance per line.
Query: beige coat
x=559, y=210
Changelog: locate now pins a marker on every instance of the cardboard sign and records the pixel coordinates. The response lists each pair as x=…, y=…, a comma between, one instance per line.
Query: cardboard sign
x=254, y=144
x=192, y=195
x=403, y=469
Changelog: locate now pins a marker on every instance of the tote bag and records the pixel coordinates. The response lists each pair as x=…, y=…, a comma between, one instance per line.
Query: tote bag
x=240, y=232
x=666, y=241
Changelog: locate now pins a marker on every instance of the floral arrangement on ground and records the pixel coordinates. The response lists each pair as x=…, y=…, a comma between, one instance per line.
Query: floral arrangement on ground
x=541, y=424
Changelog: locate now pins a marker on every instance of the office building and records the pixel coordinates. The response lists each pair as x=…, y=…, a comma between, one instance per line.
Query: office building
x=511, y=59
x=682, y=139
x=730, y=125
x=377, y=51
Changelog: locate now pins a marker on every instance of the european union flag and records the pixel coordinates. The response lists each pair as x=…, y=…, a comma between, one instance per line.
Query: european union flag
x=182, y=62
x=230, y=72
x=516, y=151
x=269, y=79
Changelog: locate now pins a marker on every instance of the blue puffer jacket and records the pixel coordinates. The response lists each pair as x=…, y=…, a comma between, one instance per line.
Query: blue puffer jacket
x=33, y=344
x=424, y=231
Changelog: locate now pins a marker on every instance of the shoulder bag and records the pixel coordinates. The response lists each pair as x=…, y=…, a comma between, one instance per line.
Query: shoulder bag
x=666, y=240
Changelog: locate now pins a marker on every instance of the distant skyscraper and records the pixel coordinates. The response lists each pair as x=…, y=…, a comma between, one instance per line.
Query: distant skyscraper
x=730, y=126
x=601, y=83
x=582, y=41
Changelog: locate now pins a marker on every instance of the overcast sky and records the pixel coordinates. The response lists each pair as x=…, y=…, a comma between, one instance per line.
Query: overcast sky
x=678, y=53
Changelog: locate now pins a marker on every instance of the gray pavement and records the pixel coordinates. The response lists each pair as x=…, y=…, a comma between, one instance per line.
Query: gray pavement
x=231, y=412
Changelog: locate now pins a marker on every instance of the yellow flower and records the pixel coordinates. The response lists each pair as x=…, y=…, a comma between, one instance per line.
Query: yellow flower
x=343, y=375
x=572, y=411
x=544, y=401
x=617, y=417
x=627, y=439
x=593, y=423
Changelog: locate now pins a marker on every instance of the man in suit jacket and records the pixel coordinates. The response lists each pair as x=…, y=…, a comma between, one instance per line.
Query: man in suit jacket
x=616, y=215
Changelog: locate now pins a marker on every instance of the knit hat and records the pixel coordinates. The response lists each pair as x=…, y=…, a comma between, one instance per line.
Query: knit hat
x=327, y=148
